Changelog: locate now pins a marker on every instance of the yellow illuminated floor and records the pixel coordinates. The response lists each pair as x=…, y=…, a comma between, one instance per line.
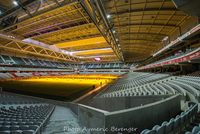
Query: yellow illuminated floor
x=67, y=87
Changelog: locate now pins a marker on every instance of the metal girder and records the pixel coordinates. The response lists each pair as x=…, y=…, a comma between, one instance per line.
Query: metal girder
x=96, y=12
x=142, y=33
x=141, y=39
x=144, y=10
x=23, y=47
x=132, y=45
x=25, y=4
x=17, y=8
x=146, y=24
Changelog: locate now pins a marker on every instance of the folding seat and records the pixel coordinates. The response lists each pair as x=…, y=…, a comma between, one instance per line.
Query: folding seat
x=146, y=131
x=14, y=123
x=5, y=128
x=33, y=127
x=177, y=122
x=28, y=132
x=14, y=127
x=7, y=123
x=169, y=126
x=24, y=127
x=16, y=132
x=195, y=130
x=1, y=122
x=4, y=132
x=159, y=129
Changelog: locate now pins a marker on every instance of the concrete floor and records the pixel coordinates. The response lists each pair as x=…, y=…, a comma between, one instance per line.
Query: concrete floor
x=63, y=121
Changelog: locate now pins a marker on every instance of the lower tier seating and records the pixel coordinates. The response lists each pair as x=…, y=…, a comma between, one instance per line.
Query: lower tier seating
x=23, y=115
x=177, y=124
x=170, y=85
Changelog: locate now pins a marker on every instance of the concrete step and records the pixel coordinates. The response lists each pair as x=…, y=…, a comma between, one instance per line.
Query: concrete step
x=63, y=121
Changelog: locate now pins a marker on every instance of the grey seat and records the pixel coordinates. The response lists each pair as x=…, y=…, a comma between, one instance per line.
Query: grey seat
x=27, y=132
x=4, y=132
x=160, y=129
x=33, y=127
x=24, y=127
x=177, y=122
x=5, y=128
x=169, y=126
x=195, y=130
x=146, y=131
x=16, y=132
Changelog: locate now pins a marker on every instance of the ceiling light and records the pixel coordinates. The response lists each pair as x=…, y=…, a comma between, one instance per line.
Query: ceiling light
x=97, y=59
x=165, y=38
x=114, y=31
x=117, y=39
x=15, y=3
x=118, y=44
x=108, y=16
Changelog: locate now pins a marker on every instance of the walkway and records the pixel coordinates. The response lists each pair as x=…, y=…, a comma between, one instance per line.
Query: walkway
x=62, y=121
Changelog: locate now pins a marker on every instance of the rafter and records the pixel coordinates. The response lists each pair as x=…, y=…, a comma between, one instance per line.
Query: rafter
x=142, y=33
x=16, y=45
x=142, y=10
x=141, y=39
x=146, y=24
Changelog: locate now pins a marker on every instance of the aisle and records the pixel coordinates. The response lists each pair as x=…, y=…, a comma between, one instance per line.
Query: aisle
x=62, y=121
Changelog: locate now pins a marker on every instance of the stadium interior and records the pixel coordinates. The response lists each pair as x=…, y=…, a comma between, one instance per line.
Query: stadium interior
x=99, y=67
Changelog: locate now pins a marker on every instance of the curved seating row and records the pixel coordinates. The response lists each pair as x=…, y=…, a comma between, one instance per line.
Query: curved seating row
x=195, y=130
x=170, y=85
x=134, y=79
x=175, y=125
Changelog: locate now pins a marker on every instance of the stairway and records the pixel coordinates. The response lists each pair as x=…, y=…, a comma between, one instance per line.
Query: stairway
x=62, y=121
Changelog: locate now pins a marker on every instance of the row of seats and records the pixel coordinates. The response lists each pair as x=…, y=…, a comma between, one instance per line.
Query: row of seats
x=22, y=114
x=23, y=119
x=134, y=79
x=195, y=130
x=177, y=124
x=31, y=74
x=12, y=60
x=170, y=85
x=106, y=66
x=8, y=68
x=8, y=99
x=176, y=55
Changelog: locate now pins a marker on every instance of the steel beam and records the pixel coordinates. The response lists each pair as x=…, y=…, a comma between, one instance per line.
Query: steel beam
x=91, y=8
x=144, y=10
x=146, y=24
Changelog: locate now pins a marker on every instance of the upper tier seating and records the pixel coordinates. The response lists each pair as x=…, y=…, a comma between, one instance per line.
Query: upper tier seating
x=106, y=66
x=22, y=115
x=177, y=124
x=176, y=55
x=12, y=60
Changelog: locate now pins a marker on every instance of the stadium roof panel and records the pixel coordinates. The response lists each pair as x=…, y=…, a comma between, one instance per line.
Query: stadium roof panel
x=139, y=26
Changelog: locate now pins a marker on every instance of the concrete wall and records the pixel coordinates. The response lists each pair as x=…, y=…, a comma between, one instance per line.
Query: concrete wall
x=146, y=116
x=120, y=103
x=140, y=117
x=92, y=118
